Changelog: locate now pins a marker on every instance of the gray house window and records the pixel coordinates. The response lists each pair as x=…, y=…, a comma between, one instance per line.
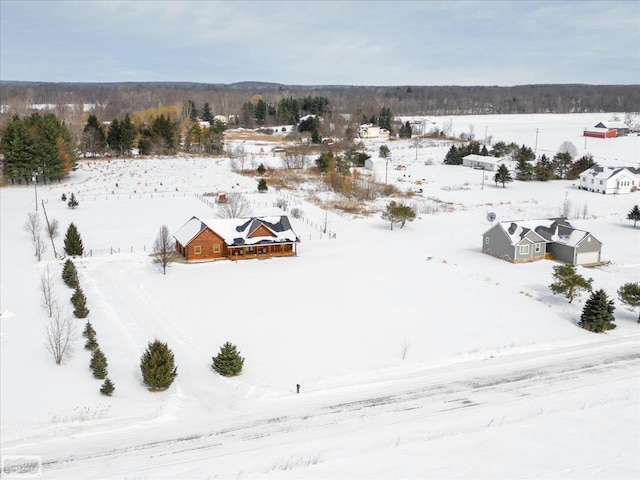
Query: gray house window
x=523, y=250
x=486, y=240
x=537, y=248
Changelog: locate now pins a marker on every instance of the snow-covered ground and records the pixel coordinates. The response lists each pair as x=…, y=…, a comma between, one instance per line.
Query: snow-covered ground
x=417, y=355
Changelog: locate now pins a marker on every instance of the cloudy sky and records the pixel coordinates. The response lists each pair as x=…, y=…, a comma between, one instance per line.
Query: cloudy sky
x=322, y=42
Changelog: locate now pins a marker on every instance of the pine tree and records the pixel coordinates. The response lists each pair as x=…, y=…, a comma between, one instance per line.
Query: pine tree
x=524, y=168
x=98, y=364
x=207, y=115
x=629, y=294
x=73, y=241
x=107, y=387
x=261, y=169
x=158, y=366
x=262, y=185
x=502, y=175
x=70, y=274
x=88, y=330
x=79, y=301
x=634, y=214
x=228, y=362
x=73, y=202
x=91, y=343
x=597, y=315
x=569, y=282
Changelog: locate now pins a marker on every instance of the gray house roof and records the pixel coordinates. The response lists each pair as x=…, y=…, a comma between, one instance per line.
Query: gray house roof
x=549, y=230
x=603, y=173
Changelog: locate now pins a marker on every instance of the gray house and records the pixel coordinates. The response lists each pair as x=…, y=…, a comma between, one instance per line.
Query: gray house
x=528, y=241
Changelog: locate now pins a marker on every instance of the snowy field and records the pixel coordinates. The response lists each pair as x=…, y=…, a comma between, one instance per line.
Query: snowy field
x=417, y=355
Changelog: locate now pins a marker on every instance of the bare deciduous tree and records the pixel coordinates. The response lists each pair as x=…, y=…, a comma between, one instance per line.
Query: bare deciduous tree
x=236, y=207
x=39, y=247
x=33, y=225
x=60, y=335
x=568, y=147
x=48, y=295
x=163, y=249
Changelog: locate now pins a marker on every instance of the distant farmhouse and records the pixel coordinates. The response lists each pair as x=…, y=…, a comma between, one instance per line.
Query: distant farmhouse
x=607, y=130
x=484, y=162
x=529, y=241
x=610, y=180
x=236, y=238
x=369, y=130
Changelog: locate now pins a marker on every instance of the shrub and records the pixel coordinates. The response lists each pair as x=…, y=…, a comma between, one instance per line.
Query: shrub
x=98, y=364
x=107, y=387
x=79, y=301
x=70, y=274
x=228, y=362
x=158, y=366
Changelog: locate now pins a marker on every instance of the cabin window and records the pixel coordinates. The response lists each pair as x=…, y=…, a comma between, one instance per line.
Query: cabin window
x=216, y=248
x=523, y=250
x=197, y=249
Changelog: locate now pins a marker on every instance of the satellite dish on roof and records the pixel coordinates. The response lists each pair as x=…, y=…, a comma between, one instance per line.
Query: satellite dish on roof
x=491, y=217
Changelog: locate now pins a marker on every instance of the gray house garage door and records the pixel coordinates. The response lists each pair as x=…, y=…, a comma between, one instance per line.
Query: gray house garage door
x=587, y=257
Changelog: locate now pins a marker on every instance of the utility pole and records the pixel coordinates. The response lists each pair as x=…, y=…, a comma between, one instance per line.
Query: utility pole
x=536, y=149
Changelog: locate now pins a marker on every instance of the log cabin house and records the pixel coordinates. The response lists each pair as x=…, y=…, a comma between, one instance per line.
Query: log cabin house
x=236, y=238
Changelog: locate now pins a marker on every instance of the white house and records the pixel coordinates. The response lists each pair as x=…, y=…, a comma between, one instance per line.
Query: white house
x=483, y=162
x=609, y=180
x=369, y=130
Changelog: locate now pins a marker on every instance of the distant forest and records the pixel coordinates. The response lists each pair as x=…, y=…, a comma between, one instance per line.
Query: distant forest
x=362, y=102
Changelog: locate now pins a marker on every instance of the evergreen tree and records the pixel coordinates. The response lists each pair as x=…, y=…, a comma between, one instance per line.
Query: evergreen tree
x=228, y=362
x=73, y=202
x=562, y=163
x=79, y=301
x=583, y=163
x=502, y=175
x=524, y=168
x=107, y=387
x=94, y=139
x=629, y=294
x=634, y=214
x=405, y=130
x=544, y=169
x=158, y=366
x=98, y=364
x=73, y=241
x=398, y=213
x=207, y=115
x=260, y=112
x=385, y=118
x=597, y=314
x=114, y=137
x=261, y=169
x=127, y=135
x=484, y=152
x=262, y=185
x=453, y=156
x=569, y=282
x=189, y=111
x=384, y=151
x=91, y=343
x=70, y=274
x=315, y=137
x=164, y=133
x=88, y=331
x=36, y=146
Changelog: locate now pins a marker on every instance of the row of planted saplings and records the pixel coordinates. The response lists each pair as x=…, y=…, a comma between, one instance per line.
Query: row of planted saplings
x=98, y=363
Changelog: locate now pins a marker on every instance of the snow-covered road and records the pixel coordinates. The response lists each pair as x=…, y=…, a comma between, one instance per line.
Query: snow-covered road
x=315, y=434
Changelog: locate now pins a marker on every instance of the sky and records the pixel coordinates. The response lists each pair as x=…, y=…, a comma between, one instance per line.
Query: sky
x=322, y=42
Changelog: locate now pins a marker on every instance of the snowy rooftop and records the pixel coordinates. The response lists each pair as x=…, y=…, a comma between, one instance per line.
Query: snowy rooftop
x=549, y=229
x=238, y=231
